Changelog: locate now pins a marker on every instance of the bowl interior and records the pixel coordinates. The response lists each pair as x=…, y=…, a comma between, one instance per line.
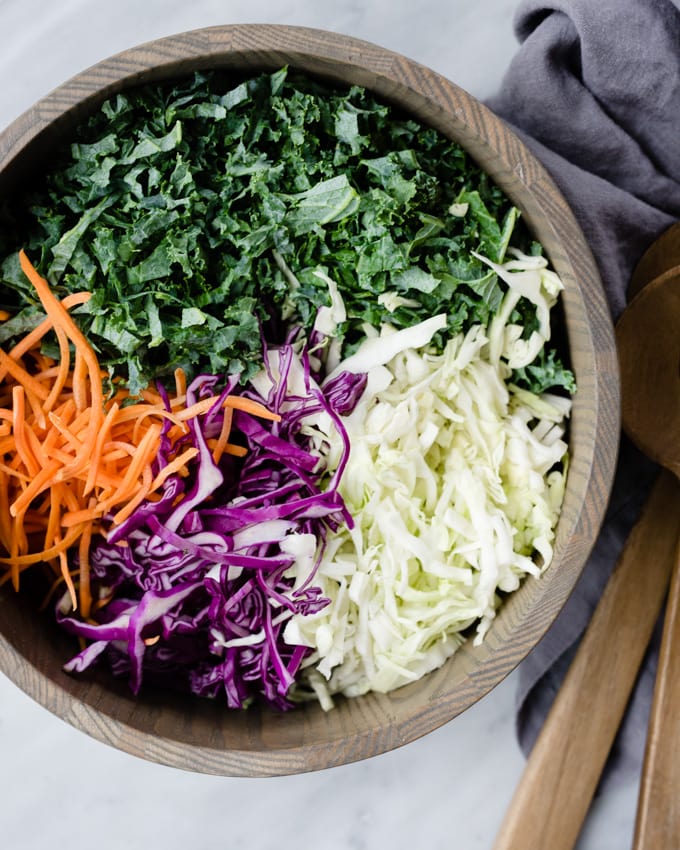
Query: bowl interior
x=202, y=735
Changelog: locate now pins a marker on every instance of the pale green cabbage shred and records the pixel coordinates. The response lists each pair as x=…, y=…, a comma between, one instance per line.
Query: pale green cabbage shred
x=455, y=481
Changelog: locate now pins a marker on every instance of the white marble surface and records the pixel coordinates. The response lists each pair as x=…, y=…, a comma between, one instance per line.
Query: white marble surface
x=448, y=790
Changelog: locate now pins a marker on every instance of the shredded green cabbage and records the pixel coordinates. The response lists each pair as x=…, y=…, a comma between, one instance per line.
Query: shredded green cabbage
x=455, y=480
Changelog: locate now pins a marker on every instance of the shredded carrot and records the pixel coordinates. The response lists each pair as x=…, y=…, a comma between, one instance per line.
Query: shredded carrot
x=223, y=438
x=80, y=383
x=19, y=560
x=180, y=382
x=20, y=439
x=33, y=338
x=22, y=377
x=171, y=468
x=247, y=405
x=227, y=449
x=38, y=483
x=236, y=402
x=137, y=499
x=73, y=460
x=71, y=518
x=236, y=451
x=84, y=568
x=102, y=436
x=68, y=578
x=62, y=373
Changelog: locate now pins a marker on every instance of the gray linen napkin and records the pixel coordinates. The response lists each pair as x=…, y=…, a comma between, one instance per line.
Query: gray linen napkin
x=594, y=90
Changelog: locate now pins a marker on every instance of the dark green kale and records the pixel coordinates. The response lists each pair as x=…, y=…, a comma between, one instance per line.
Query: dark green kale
x=197, y=213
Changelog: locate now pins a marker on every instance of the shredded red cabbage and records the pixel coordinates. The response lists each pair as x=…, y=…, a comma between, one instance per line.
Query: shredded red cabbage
x=203, y=581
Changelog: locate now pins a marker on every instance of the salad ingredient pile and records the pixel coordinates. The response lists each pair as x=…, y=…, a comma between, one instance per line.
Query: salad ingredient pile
x=283, y=406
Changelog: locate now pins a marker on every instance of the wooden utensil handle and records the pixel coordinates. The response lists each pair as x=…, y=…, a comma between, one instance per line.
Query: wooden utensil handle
x=657, y=825
x=565, y=765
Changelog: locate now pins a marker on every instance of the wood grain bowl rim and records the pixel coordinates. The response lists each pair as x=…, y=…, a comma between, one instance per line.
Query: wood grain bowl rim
x=199, y=737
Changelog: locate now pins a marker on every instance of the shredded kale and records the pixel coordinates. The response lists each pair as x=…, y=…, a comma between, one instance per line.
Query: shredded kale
x=197, y=212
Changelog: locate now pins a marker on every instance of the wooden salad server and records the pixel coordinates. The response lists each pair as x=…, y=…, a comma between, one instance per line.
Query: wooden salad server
x=564, y=767
x=648, y=335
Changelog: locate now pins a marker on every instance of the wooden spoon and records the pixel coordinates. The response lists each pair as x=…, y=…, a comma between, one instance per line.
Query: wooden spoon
x=565, y=765
x=662, y=257
x=648, y=335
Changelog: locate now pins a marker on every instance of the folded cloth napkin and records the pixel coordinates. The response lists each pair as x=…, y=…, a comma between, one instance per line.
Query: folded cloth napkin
x=594, y=91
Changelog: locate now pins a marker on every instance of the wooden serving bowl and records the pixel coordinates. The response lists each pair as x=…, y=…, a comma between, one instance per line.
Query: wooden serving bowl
x=203, y=735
